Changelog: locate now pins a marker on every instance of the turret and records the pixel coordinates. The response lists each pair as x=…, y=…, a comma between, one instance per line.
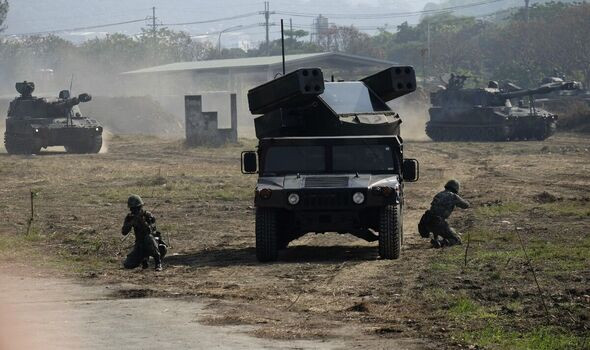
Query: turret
x=25, y=88
x=301, y=103
x=70, y=102
x=61, y=108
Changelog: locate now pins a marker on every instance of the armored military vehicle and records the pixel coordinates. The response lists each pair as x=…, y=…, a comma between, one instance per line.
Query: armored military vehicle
x=34, y=123
x=460, y=114
x=330, y=159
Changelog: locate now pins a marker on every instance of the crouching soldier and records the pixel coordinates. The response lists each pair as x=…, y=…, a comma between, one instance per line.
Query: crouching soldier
x=146, y=236
x=435, y=219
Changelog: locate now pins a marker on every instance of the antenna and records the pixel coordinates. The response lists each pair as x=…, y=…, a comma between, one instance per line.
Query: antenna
x=283, y=45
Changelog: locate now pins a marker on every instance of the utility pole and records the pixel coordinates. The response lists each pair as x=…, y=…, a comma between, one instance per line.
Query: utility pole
x=291, y=29
x=428, y=47
x=154, y=21
x=267, y=14
x=526, y=10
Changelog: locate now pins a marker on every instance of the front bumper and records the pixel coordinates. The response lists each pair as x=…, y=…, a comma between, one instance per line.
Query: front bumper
x=325, y=199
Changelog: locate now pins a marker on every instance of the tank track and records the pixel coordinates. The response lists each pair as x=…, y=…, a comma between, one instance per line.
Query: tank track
x=486, y=133
x=15, y=144
x=83, y=146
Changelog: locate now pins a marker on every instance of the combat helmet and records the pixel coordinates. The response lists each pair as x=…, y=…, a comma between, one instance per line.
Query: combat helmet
x=134, y=201
x=453, y=186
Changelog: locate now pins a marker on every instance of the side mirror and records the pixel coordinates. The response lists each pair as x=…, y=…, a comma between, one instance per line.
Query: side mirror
x=249, y=162
x=410, y=170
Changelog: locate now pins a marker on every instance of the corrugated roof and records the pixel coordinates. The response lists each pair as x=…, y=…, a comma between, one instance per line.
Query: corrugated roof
x=265, y=61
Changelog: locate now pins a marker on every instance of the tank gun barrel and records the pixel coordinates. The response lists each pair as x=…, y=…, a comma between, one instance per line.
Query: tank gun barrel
x=71, y=102
x=544, y=89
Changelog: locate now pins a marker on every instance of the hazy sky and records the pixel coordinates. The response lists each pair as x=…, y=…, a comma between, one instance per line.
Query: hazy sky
x=27, y=16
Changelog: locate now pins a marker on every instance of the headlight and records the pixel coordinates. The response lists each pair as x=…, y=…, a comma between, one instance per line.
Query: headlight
x=36, y=130
x=358, y=198
x=386, y=191
x=97, y=129
x=265, y=193
x=293, y=198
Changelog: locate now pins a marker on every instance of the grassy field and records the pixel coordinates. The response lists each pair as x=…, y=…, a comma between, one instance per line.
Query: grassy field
x=519, y=281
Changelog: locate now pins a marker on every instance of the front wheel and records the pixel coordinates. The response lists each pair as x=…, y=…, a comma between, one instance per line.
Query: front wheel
x=390, y=232
x=266, y=235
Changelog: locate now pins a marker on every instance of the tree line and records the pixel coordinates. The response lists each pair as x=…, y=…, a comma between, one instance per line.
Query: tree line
x=507, y=47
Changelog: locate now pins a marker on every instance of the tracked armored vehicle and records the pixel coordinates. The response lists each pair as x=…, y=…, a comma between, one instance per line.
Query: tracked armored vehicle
x=460, y=114
x=330, y=159
x=34, y=123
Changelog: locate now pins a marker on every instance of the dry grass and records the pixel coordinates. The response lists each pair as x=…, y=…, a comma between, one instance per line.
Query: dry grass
x=204, y=204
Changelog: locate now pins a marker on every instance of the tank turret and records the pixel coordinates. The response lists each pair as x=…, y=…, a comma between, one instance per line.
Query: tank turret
x=301, y=103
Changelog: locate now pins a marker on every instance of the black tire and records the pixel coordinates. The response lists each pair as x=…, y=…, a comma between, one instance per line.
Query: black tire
x=267, y=246
x=283, y=243
x=390, y=232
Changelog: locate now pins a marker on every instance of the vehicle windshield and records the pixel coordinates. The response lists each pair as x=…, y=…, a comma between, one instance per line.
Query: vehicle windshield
x=354, y=158
x=373, y=158
x=351, y=97
x=295, y=159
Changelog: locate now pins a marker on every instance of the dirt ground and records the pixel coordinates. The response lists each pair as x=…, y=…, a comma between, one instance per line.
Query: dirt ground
x=520, y=281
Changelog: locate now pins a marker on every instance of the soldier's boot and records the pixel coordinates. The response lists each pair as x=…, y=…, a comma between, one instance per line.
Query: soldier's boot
x=435, y=243
x=158, y=265
x=145, y=264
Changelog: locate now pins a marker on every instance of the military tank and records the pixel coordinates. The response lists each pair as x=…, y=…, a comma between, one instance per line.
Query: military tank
x=488, y=114
x=34, y=123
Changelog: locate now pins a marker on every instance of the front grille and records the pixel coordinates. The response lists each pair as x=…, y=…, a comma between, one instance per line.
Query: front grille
x=326, y=181
x=330, y=200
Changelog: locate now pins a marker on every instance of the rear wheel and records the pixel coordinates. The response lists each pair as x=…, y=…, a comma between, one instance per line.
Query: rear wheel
x=267, y=244
x=390, y=232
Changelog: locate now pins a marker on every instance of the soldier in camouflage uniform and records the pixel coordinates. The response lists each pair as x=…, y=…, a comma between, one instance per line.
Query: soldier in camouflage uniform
x=143, y=224
x=435, y=219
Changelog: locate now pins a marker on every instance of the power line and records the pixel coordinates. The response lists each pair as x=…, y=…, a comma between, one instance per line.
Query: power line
x=225, y=30
x=80, y=28
x=266, y=14
x=212, y=20
x=388, y=15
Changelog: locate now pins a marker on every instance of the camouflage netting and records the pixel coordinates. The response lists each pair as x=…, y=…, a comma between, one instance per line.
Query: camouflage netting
x=125, y=115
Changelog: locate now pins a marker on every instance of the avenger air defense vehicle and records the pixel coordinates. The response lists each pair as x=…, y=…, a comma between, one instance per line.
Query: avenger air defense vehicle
x=34, y=123
x=330, y=159
x=488, y=114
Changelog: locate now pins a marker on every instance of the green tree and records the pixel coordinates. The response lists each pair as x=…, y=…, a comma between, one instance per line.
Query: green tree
x=3, y=13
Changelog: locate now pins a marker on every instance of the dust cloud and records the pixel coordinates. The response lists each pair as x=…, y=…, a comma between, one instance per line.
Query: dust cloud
x=413, y=109
x=107, y=136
